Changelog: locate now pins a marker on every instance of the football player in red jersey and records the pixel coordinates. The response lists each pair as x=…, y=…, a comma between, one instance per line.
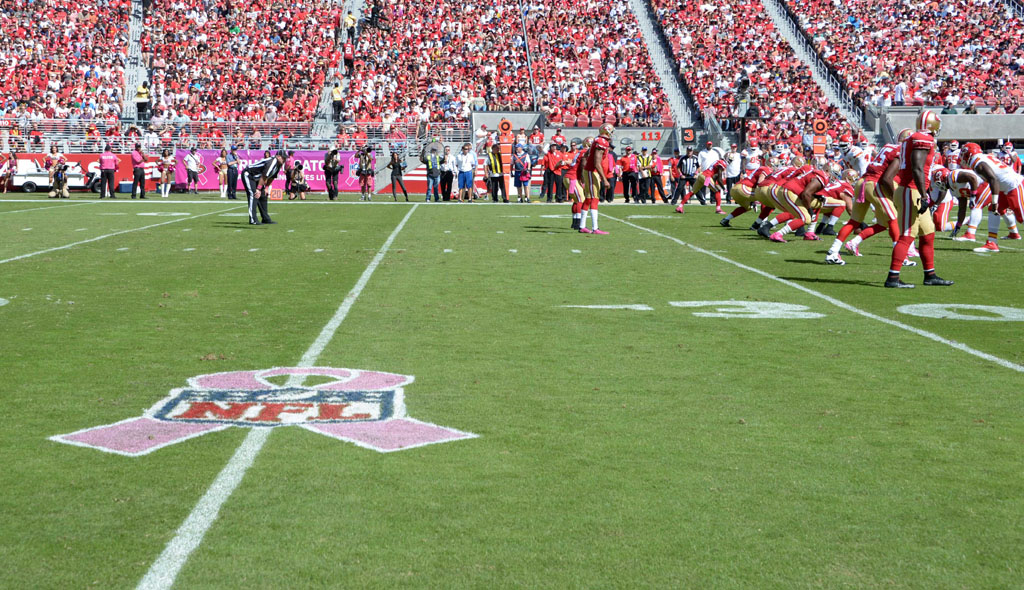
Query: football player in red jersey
x=1005, y=182
x=910, y=190
x=576, y=194
x=743, y=191
x=797, y=197
x=713, y=179
x=596, y=170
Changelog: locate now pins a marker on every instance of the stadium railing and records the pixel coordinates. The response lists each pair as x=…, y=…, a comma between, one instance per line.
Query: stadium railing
x=90, y=136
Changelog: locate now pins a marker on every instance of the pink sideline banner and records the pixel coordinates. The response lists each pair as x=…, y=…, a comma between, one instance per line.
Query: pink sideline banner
x=312, y=164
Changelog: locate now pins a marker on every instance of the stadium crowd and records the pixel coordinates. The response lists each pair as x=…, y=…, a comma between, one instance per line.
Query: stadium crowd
x=215, y=61
x=951, y=52
x=590, y=64
x=437, y=62
x=721, y=47
x=61, y=59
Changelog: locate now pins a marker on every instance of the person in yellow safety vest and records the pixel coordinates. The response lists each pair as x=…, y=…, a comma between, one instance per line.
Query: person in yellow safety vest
x=433, y=162
x=645, y=162
x=496, y=174
x=336, y=101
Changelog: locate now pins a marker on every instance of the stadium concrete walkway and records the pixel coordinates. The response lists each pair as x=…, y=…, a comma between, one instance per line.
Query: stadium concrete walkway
x=682, y=110
x=830, y=86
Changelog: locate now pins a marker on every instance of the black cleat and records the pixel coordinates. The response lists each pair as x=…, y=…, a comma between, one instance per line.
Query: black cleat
x=818, y=228
x=765, y=231
x=755, y=226
x=937, y=281
x=801, y=232
x=724, y=222
x=896, y=283
x=828, y=230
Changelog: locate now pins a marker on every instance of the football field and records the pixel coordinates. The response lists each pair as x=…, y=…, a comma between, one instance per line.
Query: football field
x=673, y=405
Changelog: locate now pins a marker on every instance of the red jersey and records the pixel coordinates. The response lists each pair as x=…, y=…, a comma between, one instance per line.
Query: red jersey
x=715, y=168
x=778, y=177
x=798, y=183
x=881, y=161
x=569, y=160
x=917, y=141
x=753, y=177
x=837, y=190
x=536, y=138
x=601, y=143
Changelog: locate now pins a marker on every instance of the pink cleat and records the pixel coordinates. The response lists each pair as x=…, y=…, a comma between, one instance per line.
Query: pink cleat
x=719, y=211
x=811, y=236
x=853, y=248
x=584, y=230
x=777, y=237
x=679, y=209
x=1013, y=236
x=599, y=232
x=912, y=252
x=989, y=246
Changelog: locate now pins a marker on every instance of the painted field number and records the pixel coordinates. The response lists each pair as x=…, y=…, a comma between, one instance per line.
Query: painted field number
x=961, y=311
x=761, y=310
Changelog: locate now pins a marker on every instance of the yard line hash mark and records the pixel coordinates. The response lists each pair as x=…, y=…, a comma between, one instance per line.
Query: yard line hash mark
x=836, y=302
x=110, y=235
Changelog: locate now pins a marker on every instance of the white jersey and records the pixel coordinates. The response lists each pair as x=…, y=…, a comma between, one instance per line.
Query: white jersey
x=951, y=159
x=1006, y=179
x=955, y=183
x=857, y=158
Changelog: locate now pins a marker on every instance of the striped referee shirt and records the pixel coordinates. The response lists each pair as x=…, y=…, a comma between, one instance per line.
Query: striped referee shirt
x=267, y=167
x=688, y=165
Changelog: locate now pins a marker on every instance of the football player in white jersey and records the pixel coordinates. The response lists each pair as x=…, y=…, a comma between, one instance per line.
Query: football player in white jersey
x=1007, y=184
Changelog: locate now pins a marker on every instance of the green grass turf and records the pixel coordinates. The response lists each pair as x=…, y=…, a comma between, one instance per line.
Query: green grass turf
x=618, y=448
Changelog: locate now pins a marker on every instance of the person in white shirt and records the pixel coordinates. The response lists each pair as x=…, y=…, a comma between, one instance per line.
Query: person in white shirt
x=192, y=162
x=465, y=165
x=705, y=160
x=733, y=168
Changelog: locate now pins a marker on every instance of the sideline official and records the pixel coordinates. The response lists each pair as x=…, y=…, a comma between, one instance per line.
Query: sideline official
x=232, y=163
x=256, y=179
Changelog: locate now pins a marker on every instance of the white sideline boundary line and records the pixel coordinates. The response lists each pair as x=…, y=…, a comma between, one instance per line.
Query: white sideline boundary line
x=110, y=235
x=49, y=206
x=165, y=569
x=840, y=304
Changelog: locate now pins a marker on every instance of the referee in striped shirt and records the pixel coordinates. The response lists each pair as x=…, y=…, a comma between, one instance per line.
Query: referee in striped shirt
x=688, y=173
x=256, y=179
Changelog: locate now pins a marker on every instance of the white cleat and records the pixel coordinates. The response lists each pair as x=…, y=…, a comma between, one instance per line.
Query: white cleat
x=835, y=259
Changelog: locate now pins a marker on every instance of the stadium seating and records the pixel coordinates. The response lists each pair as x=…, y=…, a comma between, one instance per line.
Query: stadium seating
x=62, y=59
x=718, y=45
x=257, y=62
x=951, y=50
x=591, y=63
x=438, y=60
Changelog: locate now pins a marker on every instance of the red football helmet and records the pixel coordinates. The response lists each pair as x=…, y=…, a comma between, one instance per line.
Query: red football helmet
x=929, y=122
x=967, y=152
x=845, y=140
x=1007, y=147
x=940, y=174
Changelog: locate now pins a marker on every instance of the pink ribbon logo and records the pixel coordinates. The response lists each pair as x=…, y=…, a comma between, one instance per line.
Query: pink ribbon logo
x=366, y=408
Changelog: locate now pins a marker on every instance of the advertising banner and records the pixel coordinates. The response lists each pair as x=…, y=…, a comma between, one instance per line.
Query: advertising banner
x=89, y=163
x=312, y=164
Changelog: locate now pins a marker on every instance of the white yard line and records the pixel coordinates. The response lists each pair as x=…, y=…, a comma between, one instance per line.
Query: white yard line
x=840, y=304
x=110, y=235
x=190, y=534
x=49, y=206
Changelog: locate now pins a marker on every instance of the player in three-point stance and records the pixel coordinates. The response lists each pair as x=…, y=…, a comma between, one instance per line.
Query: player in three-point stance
x=597, y=168
x=910, y=192
x=1004, y=181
